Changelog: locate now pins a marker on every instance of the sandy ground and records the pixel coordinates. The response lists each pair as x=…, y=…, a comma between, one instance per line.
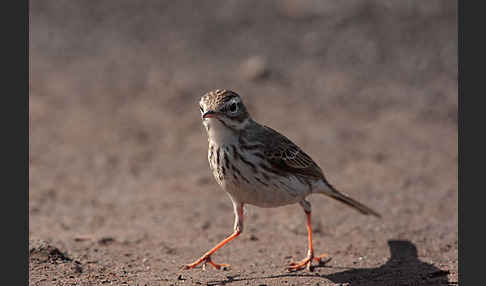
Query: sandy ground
x=120, y=188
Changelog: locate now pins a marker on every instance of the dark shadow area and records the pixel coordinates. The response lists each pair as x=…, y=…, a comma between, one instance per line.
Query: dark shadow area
x=403, y=268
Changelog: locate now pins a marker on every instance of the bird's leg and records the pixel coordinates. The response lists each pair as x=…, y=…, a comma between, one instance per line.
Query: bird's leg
x=307, y=262
x=238, y=229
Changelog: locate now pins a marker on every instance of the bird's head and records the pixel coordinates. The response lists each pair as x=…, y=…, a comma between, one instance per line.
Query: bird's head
x=223, y=109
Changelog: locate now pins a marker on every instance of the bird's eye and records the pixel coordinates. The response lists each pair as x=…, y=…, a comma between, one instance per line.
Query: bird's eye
x=233, y=107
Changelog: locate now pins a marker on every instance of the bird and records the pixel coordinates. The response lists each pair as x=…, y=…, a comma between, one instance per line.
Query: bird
x=256, y=165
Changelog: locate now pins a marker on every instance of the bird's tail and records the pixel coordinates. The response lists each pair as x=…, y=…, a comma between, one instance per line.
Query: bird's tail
x=345, y=199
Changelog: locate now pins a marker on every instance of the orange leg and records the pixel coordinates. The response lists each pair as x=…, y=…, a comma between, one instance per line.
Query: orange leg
x=206, y=258
x=307, y=262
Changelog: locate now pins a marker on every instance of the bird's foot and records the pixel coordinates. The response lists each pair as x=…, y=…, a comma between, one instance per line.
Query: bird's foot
x=307, y=262
x=204, y=260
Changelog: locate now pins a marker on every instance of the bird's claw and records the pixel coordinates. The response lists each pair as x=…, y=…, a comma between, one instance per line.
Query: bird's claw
x=307, y=263
x=205, y=260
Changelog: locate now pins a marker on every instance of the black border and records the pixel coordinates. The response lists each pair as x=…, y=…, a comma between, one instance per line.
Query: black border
x=471, y=183
x=15, y=139
x=25, y=137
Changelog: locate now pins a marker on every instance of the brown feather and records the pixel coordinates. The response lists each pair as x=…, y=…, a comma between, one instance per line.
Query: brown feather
x=283, y=154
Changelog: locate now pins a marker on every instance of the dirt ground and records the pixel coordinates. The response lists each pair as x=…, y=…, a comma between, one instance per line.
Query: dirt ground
x=120, y=188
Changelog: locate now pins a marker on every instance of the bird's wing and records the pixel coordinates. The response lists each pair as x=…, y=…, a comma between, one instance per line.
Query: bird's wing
x=287, y=157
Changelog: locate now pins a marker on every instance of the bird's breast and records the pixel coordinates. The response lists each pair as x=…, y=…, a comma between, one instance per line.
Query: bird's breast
x=246, y=176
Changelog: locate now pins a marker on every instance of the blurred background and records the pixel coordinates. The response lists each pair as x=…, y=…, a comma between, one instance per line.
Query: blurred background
x=368, y=88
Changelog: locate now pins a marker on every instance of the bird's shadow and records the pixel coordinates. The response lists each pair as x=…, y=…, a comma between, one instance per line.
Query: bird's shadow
x=402, y=268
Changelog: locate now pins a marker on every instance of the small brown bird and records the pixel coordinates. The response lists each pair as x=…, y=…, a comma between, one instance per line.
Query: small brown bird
x=257, y=165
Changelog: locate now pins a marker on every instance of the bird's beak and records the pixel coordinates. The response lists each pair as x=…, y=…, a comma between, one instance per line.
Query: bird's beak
x=209, y=114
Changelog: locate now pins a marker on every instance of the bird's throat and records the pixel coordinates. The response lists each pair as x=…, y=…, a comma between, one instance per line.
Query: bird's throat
x=219, y=133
